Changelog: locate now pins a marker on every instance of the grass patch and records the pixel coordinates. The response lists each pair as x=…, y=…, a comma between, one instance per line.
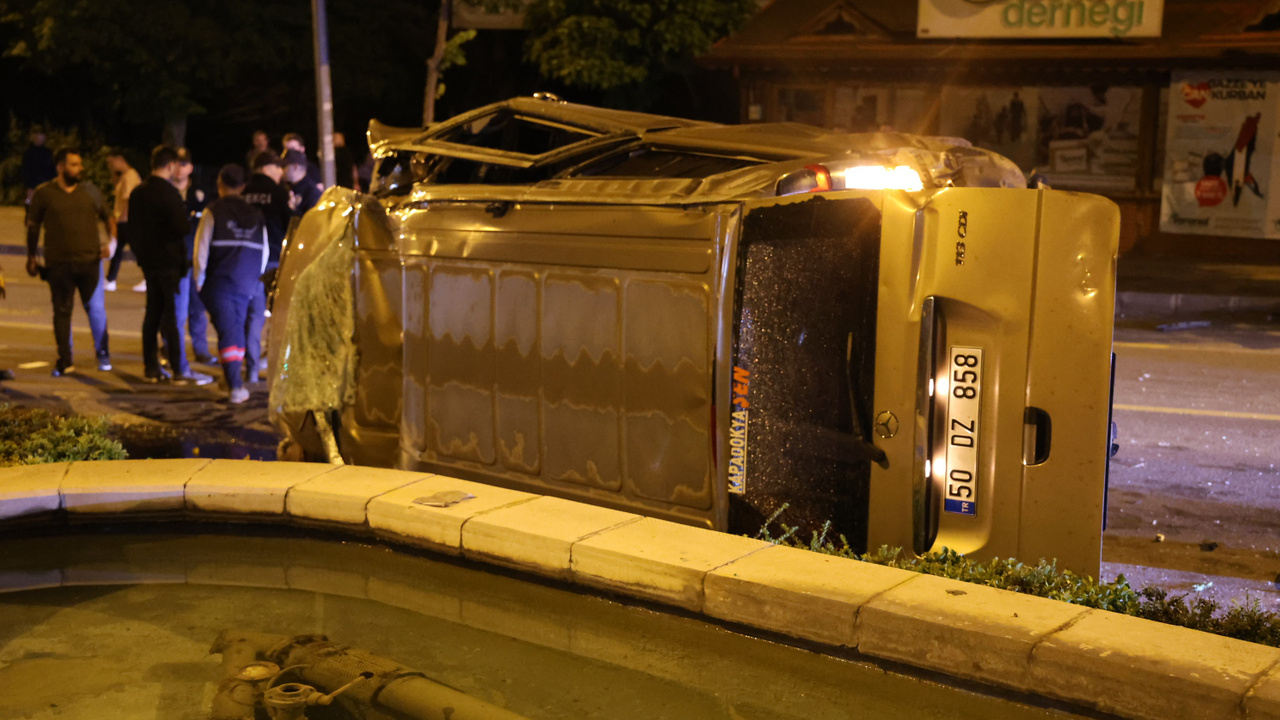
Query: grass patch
x=31, y=436
x=1242, y=621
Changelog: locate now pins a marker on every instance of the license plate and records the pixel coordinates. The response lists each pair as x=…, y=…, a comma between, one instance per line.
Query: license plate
x=964, y=400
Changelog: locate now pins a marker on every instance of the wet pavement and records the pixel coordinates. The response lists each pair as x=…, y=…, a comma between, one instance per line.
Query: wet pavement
x=150, y=420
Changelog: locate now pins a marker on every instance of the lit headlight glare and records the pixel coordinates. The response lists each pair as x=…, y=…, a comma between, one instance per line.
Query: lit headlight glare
x=878, y=177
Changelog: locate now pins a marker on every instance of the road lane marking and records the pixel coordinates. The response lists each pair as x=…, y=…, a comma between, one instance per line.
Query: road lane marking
x=1194, y=348
x=74, y=328
x=1202, y=413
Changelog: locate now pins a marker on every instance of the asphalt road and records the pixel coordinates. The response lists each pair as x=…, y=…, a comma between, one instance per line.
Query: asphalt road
x=1194, y=501
x=154, y=420
x=1195, y=488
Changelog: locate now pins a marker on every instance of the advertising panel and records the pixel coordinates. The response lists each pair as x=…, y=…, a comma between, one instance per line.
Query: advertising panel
x=1220, y=159
x=1071, y=137
x=1088, y=137
x=1002, y=119
x=1039, y=18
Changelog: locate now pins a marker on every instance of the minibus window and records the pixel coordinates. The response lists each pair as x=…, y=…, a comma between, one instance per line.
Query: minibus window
x=804, y=367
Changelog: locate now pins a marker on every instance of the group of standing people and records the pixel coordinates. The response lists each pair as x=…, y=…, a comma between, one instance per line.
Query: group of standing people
x=201, y=259
x=196, y=256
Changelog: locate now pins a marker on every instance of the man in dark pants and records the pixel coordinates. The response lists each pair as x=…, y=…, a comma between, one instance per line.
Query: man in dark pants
x=126, y=180
x=265, y=192
x=230, y=257
x=70, y=210
x=197, y=323
x=159, y=224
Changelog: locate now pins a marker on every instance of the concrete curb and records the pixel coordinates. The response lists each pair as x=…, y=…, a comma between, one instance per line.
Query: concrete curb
x=1131, y=305
x=1118, y=664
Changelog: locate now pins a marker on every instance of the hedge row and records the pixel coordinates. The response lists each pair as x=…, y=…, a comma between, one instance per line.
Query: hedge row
x=29, y=436
x=1241, y=620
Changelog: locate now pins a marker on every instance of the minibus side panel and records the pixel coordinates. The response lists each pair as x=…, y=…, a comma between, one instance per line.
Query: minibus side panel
x=544, y=356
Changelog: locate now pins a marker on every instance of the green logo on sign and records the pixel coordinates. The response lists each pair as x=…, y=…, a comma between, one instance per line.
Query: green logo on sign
x=1121, y=15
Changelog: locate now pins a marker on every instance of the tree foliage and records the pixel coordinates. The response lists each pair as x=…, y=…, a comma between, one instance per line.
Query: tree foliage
x=607, y=44
x=241, y=60
x=123, y=69
x=151, y=59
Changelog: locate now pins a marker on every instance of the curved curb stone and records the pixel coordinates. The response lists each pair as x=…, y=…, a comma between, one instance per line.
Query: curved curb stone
x=31, y=490
x=798, y=593
x=1119, y=664
x=973, y=631
x=108, y=487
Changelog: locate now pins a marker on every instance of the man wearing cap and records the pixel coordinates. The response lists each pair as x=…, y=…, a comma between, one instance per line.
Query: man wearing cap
x=159, y=224
x=264, y=191
x=293, y=142
x=231, y=252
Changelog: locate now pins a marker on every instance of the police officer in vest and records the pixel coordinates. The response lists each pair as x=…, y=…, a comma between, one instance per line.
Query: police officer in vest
x=230, y=256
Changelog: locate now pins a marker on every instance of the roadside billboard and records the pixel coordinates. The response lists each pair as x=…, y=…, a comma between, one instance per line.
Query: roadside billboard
x=1220, y=159
x=1039, y=18
x=1076, y=137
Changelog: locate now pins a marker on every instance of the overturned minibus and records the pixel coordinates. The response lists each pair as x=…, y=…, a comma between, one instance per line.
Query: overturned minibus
x=707, y=323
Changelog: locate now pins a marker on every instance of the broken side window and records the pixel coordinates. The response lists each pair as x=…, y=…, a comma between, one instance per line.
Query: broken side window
x=651, y=163
x=504, y=130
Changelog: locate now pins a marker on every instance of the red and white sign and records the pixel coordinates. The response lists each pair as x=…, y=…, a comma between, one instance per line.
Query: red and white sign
x=1220, y=156
x=1195, y=95
x=1210, y=190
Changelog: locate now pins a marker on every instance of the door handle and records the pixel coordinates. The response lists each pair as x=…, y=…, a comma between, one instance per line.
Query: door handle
x=1037, y=435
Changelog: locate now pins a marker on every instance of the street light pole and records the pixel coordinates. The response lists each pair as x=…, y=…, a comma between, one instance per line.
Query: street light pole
x=324, y=92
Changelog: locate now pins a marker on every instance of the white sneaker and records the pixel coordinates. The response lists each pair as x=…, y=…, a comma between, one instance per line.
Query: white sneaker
x=140, y=287
x=239, y=395
x=193, y=378
x=110, y=286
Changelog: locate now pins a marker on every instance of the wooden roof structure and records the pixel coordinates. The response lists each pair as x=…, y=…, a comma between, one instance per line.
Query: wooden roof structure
x=880, y=34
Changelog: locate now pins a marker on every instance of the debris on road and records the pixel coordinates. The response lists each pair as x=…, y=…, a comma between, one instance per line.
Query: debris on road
x=1184, y=325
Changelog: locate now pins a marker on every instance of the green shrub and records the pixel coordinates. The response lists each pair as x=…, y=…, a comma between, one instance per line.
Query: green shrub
x=1243, y=621
x=30, y=436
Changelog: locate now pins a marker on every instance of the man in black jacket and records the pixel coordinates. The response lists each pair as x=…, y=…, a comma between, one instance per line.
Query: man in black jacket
x=265, y=192
x=159, y=224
